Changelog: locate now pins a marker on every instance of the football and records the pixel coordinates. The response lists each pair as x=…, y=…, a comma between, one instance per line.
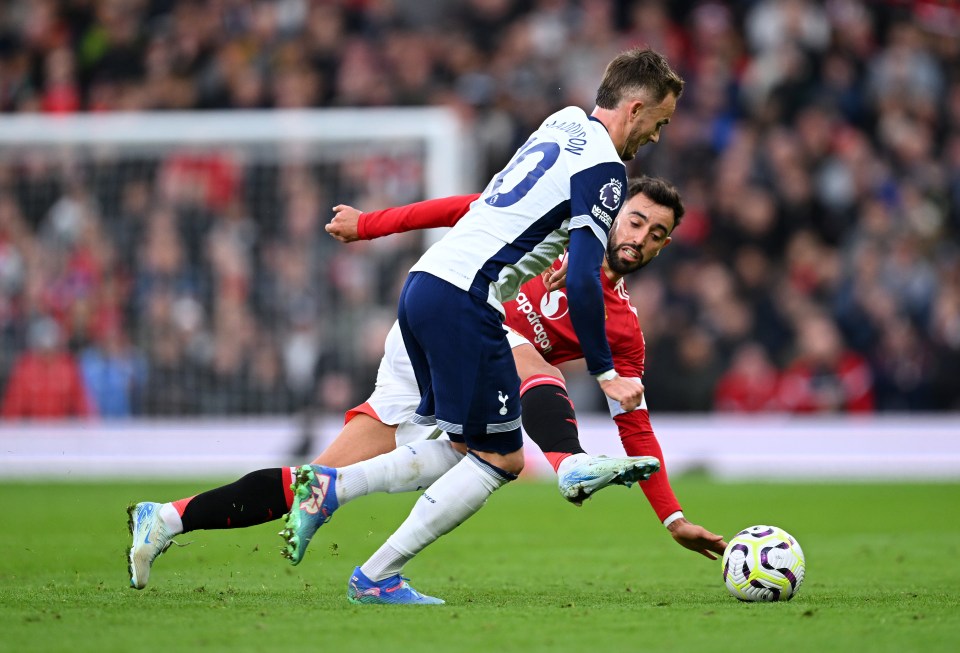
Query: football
x=763, y=563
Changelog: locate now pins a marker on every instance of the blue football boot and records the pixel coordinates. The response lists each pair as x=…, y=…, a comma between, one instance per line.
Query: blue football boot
x=314, y=502
x=394, y=590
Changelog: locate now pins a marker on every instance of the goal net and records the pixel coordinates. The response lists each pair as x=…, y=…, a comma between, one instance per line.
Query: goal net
x=176, y=264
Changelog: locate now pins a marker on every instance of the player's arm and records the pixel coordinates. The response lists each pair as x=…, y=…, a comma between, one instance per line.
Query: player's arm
x=595, y=197
x=350, y=224
x=638, y=439
x=585, y=297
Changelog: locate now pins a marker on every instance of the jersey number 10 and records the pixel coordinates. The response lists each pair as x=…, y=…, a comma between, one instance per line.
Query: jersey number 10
x=550, y=152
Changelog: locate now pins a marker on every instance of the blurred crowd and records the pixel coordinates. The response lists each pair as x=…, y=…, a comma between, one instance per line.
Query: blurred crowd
x=817, y=147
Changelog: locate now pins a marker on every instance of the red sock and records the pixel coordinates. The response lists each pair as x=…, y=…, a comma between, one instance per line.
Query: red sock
x=556, y=458
x=181, y=505
x=286, y=477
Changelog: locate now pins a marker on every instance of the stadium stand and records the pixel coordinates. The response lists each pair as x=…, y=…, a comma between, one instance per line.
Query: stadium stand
x=817, y=147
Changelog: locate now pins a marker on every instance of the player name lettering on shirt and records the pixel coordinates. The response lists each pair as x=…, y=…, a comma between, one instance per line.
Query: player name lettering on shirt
x=576, y=131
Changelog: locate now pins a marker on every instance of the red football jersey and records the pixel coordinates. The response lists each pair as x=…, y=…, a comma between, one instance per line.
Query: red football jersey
x=543, y=318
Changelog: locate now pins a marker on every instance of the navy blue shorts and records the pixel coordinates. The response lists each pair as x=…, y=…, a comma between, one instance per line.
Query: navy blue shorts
x=468, y=380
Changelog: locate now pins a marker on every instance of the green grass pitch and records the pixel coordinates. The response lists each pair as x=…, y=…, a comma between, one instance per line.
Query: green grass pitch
x=528, y=573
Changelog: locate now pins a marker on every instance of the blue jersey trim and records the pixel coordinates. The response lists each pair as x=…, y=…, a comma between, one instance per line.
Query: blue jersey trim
x=510, y=253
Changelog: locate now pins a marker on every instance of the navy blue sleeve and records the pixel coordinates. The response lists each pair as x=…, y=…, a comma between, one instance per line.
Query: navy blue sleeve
x=585, y=299
x=596, y=195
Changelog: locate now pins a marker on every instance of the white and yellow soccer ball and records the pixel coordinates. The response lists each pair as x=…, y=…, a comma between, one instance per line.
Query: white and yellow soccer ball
x=763, y=563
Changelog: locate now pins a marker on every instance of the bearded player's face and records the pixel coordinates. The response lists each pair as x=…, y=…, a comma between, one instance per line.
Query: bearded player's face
x=640, y=231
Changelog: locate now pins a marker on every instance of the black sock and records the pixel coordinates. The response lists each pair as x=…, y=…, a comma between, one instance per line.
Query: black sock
x=549, y=420
x=256, y=498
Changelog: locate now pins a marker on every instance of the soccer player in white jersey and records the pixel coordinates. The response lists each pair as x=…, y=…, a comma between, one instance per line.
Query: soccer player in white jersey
x=566, y=183
x=560, y=191
x=381, y=423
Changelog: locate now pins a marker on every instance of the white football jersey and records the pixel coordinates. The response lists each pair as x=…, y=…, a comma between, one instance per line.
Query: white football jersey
x=566, y=176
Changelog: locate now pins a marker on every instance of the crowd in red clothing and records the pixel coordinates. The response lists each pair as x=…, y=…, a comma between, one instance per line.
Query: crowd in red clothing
x=823, y=377
x=46, y=381
x=817, y=147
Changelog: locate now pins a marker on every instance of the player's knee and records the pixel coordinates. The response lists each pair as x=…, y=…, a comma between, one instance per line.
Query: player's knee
x=545, y=369
x=512, y=463
x=530, y=363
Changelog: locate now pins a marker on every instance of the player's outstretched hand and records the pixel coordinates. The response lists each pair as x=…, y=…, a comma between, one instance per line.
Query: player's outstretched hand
x=697, y=538
x=343, y=226
x=629, y=392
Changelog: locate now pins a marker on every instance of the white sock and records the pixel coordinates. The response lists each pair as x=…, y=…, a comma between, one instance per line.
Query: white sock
x=446, y=504
x=572, y=461
x=171, y=518
x=413, y=466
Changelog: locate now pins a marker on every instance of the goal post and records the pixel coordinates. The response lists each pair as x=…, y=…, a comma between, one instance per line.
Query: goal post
x=199, y=236
x=447, y=164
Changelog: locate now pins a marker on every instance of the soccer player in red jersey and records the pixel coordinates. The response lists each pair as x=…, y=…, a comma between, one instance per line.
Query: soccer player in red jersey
x=541, y=334
x=538, y=315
